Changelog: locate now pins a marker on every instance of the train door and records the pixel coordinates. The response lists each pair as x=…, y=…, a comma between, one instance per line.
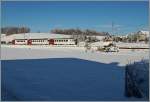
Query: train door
x=13, y=42
x=51, y=42
x=29, y=42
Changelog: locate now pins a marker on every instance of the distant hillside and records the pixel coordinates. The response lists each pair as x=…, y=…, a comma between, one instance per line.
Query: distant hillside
x=86, y=32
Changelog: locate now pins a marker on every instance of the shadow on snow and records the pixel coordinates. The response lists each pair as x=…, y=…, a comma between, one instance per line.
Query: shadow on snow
x=62, y=79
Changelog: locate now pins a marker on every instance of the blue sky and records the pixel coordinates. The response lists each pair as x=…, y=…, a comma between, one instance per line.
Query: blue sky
x=127, y=16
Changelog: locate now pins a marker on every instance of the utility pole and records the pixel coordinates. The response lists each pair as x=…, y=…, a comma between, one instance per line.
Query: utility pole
x=112, y=28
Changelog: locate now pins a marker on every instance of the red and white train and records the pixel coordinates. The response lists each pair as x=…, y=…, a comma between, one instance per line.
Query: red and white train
x=45, y=41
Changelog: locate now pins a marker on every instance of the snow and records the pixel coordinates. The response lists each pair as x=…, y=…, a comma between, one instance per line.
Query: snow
x=100, y=37
x=122, y=44
x=13, y=52
x=100, y=44
x=62, y=79
x=64, y=73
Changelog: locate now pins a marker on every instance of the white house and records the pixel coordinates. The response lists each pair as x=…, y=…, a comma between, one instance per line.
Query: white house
x=146, y=33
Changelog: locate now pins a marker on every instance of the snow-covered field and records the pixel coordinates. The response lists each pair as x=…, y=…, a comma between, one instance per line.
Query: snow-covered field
x=64, y=73
x=123, y=57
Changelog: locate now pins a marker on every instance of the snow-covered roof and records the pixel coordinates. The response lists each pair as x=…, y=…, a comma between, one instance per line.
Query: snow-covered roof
x=33, y=36
x=100, y=43
x=3, y=35
x=144, y=32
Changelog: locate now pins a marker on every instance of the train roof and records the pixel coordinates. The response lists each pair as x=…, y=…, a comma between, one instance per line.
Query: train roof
x=43, y=38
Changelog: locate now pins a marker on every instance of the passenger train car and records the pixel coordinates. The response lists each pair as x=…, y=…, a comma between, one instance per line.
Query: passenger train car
x=45, y=41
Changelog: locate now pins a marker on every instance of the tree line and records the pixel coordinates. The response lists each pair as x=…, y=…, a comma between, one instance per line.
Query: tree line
x=77, y=31
x=14, y=30
x=131, y=38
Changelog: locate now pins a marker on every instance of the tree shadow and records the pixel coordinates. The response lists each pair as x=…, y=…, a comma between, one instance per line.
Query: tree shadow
x=62, y=79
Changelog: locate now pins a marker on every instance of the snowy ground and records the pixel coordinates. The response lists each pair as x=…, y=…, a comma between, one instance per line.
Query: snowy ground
x=64, y=73
x=62, y=79
x=13, y=52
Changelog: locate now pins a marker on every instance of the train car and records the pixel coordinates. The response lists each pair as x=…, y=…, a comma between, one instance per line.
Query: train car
x=19, y=42
x=38, y=42
x=45, y=41
x=62, y=41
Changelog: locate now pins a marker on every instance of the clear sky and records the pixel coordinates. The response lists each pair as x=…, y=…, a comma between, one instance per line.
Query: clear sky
x=127, y=16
